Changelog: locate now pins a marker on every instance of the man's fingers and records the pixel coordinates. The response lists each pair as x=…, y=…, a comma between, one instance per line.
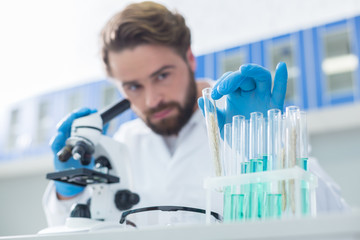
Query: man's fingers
x=215, y=93
x=230, y=83
x=260, y=75
x=248, y=78
x=65, y=124
x=280, y=84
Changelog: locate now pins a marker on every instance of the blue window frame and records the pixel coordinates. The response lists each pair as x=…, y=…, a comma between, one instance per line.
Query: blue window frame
x=200, y=67
x=206, y=66
x=257, y=53
x=338, y=62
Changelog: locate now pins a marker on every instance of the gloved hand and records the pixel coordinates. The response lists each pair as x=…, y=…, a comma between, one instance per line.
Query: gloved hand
x=249, y=90
x=58, y=142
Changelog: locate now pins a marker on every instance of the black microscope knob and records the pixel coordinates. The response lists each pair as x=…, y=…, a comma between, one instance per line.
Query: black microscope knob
x=80, y=210
x=65, y=153
x=124, y=199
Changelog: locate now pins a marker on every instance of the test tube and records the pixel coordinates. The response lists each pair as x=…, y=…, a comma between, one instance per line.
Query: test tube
x=283, y=141
x=212, y=129
x=273, y=202
x=228, y=162
x=292, y=153
x=245, y=166
x=265, y=145
x=303, y=141
x=292, y=136
x=238, y=142
x=305, y=196
x=274, y=139
x=256, y=195
x=256, y=141
x=227, y=171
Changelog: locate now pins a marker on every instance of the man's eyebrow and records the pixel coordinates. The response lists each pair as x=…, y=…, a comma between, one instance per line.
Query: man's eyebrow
x=161, y=69
x=129, y=83
x=132, y=82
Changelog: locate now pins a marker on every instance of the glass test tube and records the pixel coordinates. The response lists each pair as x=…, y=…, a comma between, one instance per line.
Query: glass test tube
x=302, y=162
x=256, y=141
x=228, y=190
x=273, y=202
x=228, y=163
x=274, y=139
x=212, y=129
x=303, y=141
x=292, y=136
x=265, y=145
x=233, y=199
x=227, y=168
x=256, y=195
x=238, y=142
x=245, y=166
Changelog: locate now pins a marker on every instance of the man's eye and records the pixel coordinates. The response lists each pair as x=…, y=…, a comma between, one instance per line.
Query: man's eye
x=162, y=76
x=133, y=87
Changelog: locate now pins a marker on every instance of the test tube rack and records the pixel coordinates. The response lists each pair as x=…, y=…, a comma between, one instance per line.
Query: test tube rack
x=278, y=194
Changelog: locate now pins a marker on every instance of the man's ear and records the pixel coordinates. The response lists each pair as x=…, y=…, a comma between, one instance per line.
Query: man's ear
x=191, y=59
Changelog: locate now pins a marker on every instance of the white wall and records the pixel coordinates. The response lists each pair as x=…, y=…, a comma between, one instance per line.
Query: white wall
x=335, y=142
x=20, y=204
x=50, y=44
x=339, y=154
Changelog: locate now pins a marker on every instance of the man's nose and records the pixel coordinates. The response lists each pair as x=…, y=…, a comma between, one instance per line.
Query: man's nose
x=153, y=98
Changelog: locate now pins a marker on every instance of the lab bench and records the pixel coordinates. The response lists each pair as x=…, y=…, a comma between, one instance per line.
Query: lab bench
x=334, y=226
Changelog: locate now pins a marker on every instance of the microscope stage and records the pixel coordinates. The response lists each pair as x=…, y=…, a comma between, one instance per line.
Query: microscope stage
x=82, y=177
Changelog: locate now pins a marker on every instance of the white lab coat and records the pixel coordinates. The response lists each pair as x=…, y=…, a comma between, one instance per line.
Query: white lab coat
x=162, y=178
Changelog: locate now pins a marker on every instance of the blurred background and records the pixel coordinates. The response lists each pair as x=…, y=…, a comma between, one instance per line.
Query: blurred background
x=50, y=64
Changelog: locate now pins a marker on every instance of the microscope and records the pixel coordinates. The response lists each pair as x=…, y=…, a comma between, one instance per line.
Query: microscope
x=109, y=195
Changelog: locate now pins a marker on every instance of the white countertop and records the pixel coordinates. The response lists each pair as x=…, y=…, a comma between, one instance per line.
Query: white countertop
x=334, y=226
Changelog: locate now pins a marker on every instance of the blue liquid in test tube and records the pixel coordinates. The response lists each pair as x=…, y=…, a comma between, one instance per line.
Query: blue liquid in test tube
x=256, y=148
x=239, y=166
x=228, y=171
x=273, y=201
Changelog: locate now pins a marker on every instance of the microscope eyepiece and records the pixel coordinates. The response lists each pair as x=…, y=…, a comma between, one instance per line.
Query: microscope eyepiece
x=114, y=110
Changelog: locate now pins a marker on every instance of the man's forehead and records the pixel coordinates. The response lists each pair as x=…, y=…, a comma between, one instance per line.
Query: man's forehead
x=141, y=62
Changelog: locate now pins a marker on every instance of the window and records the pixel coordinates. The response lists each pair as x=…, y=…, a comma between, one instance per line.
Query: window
x=44, y=122
x=339, y=64
x=337, y=44
x=231, y=61
x=14, y=130
x=74, y=101
x=109, y=96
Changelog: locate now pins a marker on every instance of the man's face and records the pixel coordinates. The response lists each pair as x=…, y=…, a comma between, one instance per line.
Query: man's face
x=159, y=84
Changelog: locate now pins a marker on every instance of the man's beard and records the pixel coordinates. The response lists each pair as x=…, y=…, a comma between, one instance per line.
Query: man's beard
x=172, y=125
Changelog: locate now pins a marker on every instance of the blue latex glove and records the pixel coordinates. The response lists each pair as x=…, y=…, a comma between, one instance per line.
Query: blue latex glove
x=249, y=90
x=58, y=142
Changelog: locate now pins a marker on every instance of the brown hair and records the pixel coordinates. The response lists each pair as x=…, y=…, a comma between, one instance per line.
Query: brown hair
x=145, y=23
